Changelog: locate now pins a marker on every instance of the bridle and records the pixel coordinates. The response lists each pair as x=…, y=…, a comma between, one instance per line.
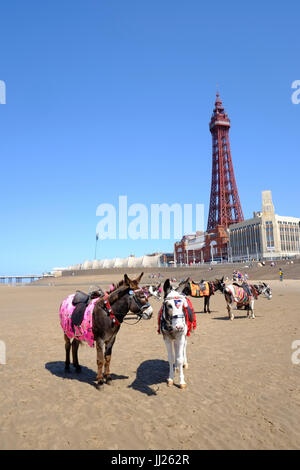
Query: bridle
x=168, y=319
x=141, y=307
x=266, y=291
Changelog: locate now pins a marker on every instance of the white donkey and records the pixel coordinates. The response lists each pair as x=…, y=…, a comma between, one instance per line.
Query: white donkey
x=244, y=296
x=176, y=318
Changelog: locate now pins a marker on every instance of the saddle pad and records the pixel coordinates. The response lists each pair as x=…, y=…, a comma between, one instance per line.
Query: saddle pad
x=238, y=293
x=199, y=290
x=82, y=332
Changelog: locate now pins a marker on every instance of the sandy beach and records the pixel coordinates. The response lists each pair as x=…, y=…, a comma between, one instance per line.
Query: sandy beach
x=243, y=389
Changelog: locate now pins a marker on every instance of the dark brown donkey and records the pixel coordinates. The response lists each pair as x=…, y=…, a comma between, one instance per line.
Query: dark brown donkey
x=185, y=288
x=107, y=316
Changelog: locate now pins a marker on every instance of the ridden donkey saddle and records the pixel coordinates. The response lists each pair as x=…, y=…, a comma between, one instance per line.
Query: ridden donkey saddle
x=81, y=301
x=199, y=290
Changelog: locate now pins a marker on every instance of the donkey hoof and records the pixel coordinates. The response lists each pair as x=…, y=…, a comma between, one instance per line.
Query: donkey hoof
x=108, y=380
x=100, y=385
x=182, y=386
x=185, y=366
x=170, y=382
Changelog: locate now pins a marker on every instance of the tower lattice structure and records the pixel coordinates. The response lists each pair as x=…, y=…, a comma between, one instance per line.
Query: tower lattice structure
x=225, y=207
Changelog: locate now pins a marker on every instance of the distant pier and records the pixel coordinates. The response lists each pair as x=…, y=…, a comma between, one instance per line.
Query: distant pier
x=20, y=279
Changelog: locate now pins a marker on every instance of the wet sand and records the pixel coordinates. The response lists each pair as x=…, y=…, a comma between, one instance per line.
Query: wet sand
x=243, y=389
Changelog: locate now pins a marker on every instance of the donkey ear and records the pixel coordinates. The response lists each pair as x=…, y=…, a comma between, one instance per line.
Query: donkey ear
x=167, y=285
x=126, y=280
x=138, y=279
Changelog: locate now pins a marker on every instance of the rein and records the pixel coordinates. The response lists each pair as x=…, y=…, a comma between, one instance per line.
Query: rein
x=133, y=318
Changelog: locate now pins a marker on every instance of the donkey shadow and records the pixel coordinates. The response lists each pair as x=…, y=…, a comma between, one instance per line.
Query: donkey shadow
x=86, y=375
x=151, y=372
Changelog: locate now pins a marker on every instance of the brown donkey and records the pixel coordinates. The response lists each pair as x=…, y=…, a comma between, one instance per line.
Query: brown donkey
x=102, y=321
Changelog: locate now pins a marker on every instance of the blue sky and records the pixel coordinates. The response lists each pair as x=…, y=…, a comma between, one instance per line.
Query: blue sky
x=109, y=98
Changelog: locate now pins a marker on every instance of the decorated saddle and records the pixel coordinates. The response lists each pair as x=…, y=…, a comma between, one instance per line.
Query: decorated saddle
x=83, y=331
x=239, y=294
x=199, y=290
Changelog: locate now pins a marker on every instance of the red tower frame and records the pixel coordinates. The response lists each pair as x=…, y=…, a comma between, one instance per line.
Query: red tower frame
x=225, y=207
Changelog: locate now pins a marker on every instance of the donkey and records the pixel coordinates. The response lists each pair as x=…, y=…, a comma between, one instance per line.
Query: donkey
x=186, y=288
x=176, y=319
x=153, y=290
x=244, y=295
x=102, y=320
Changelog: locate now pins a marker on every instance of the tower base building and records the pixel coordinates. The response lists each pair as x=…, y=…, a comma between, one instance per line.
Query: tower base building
x=267, y=236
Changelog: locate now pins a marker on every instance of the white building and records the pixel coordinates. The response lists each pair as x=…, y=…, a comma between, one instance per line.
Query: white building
x=265, y=236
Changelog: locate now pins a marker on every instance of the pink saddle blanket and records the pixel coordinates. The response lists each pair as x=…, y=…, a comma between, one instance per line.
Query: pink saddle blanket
x=84, y=332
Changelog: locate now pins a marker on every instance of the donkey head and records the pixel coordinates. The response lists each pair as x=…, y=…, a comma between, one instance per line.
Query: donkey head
x=154, y=290
x=220, y=284
x=132, y=283
x=266, y=291
x=138, y=304
x=173, y=310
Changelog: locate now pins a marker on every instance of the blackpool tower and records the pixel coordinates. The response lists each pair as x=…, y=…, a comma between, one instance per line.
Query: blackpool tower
x=225, y=207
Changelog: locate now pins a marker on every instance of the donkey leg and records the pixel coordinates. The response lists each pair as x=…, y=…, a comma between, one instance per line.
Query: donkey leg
x=252, y=308
x=179, y=354
x=67, y=348
x=100, y=361
x=230, y=313
x=75, y=346
x=207, y=301
x=107, y=357
x=169, y=346
x=185, y=362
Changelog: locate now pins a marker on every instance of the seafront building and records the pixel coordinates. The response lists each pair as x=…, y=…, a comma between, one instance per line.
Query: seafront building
x=266, y=236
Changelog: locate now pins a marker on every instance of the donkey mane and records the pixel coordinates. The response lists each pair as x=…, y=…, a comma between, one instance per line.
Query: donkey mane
x=115, y=295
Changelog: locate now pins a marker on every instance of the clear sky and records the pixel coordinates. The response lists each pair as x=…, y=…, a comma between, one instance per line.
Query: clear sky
x=109, y=98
